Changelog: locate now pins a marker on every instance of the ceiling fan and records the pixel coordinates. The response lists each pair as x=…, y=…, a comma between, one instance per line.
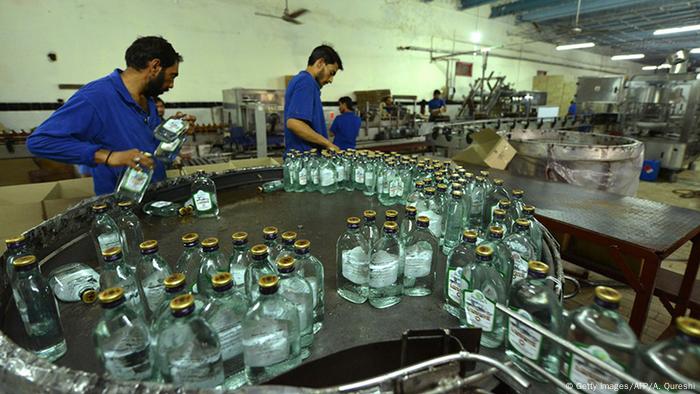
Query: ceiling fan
x=287, y=16
x=577, y=28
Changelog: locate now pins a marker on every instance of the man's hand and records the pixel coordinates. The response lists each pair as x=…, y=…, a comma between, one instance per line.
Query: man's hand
x=131, y=158
x=333, y=147
x=191, y=119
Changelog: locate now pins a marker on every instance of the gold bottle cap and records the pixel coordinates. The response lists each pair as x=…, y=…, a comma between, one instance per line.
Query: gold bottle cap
x=499, y=212
x=353, y=220
x=289, y=236
x=369, y=214
x=174, y=280
x=456, y=185
x=411, y=209
x=89, y=296
x=181, y=302
x=150, y=244
x=471, y=234
x=420, y=184
x=504, y=202
x=456, y=193
x=210, y=242
x=423, y=219
x=270, y=230
x=99, y=207
x=111, y=295
x=517, y=192
x=391, y=225
x=496, y=230
x=529, y=208
x=688, y=326
x=268, y=281
x=302, y=244
x=538, y=266
x=190, y=237
x=125, y=203
x=391, y=213
x=24, y=261
x=442, y=186
x=479, y=178
x=14, y=240
x=285, y=262
x=522, y=222
x=430, y=190
x=259, y=250
x=608, y=294
x=468, y=175
x=484, y=174
x=113, y=251
x=221, y=279
x=239, y=236
x=498, y=181
x=484, y=251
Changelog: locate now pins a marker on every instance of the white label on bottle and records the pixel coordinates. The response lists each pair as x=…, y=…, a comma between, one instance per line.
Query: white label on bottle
x=315, y=176
x=523, y=338
x=340, y=170
x=266, y=345
x=174, y=125
x=238, y=273
x=419, y=258
x=327, y=177
x=383, y=270
x=161, y=204
x=154, y=293
x=109, y=240
x=589, y=378
x=519, y=266
x=135, y=180
x=230, y=342
x=369, y=179
x=202, y=200
x=399, y=188
x=303, y=179
x=454, y=284
x=359, y=175
x=169, y=146
x=479, y=310
x=380, y=183
x=356, y=266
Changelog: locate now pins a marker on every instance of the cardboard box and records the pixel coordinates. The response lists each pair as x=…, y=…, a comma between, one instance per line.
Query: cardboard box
x=65, y=194
x=210, y=168
x=487, y=149
x=258, y=162
x=21, y=208
x=174, y=173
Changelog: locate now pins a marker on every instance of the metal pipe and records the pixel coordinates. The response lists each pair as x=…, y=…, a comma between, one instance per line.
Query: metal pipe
x=454, y=384
x=549, y=376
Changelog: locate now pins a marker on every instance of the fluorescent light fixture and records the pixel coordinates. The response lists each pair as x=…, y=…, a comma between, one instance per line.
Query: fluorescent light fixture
x=475, y=36
x=663, y=66
x=485, y=49
x=676, y=30
x=695, y=50
x=628, y=57
x=649, y=68
x=575, y=46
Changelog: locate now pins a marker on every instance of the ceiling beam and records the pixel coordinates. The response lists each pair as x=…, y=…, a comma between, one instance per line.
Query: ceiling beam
x=568, y=9
x=521, y=6
x=465, y=4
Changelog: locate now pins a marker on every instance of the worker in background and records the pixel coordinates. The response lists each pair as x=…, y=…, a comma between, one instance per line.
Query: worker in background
x=346, y=126
x=387, y=107
x=436, y=106
x=108, y=124
x=304, y=122
x=572, y=108
x=160, y=107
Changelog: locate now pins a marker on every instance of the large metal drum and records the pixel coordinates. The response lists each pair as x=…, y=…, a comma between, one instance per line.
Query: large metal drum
x=590, y=160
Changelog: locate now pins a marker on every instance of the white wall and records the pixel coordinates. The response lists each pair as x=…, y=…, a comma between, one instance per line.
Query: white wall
x=225, y=45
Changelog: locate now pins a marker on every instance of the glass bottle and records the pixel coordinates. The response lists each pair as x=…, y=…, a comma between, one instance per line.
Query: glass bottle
x=408, y=224
x=271, y=240
x=346, y=160
x=297, y=290
x=359, y=172
x=130, y=231
x=314, y=171
x=187, y=350
x=167, y=151
x=386, y=196
x=121, y=339
x=134, y=182
x=500, y=256
x=338, y=161
x=415, y=195
x=477, y=204
x=225, y=312
x=492, y=199
x=239, y=259
x=190, y=259
x=105, y=232
x=75, y=282
x=602, y=332
x=534, y=299
x=16, y=247
x=328, y=183
x=453, y=222
x=386, y=269
x=213, y=262
x=171, y=129
x=303, y=173
x=369, y=227
x=311, y=269
x=421, y=251
x=488, y=184
x=507, y=207
x=115, y=273
x=203, y=192
x=517, y=202
x=370, y=175
x=37, y=308
x=380, y=170
x=484, y=287
x=258, y=266
x=433, y=210
x=272, y=186
x=535, y=229
x=161, y=208
x=406, y=182
x=271, y=334
x=457, y=260
x=391, y=215
x=151, y=271
x=520, y=249
x=673, y=363
x=396, y=184
x=442, y=196
x=175, y=285
x=500, y=220
x=352, y=262
x=290, y=172
x=288, y=239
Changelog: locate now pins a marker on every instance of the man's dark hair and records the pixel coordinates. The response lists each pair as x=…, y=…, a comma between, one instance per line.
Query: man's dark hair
x=158, y=100
x=328, y=54
x=145, y=49
x=436, y=91
x=347, y=101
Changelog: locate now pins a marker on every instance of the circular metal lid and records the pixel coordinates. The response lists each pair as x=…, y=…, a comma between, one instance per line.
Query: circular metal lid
x=190, y=237
x=14, y=240
x=522, y=222
x=353, y=220
x=125, y=203
x=111, y=295
x=182, y=302
x=538, y=266
x=270, y=230
x=259, y=250
x=239, y=236
x=285, y=262
x=518, y=192
x=174, y=280
x=113, y=251
x=302, y=244
x=484, y=251
x=422, y=219
x=221, y=279
x=411, y=209
x=688, y=326
x=268, y=281
x=290, y=235
x=391, y=213
x=496, y=230
x=470, y=234
x=608, y=294
x=24, y=261
x=369, y=213
x=498, y=181
x=392, y=225
x=210, y=242
x=150, y=244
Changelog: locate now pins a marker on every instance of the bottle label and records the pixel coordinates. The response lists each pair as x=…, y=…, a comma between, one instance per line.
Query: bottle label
x=519, y=266
x=161, y=204
x=230, y=342
x=314, y=288
x=238, y=273
x=479, y=309
x=522, y=338
x=174, y=125
x=109, y=240
x=202, y=200
x=303, y=179
x=454, y=284
x=356, y=266
x=169, y=146
x=380, y=183
x=369, y=179
x=359, y=175
x=136, y=181
x=383, y=270
x=315, y=176
x=589, y=378
x=129, y=360
x=419, y=259
x=340, y=170
x=399, y=188
x=327, y=177
x=267, y=344
x=154, y=293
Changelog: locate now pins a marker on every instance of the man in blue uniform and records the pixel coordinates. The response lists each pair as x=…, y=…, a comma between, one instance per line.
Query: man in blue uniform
x=436, y=106
x=346, y=126
x=108, y=124
x=304, y=122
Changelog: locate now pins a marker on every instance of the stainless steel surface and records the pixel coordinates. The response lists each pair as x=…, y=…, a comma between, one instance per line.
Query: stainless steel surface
x=573, y=146
x=599, y=89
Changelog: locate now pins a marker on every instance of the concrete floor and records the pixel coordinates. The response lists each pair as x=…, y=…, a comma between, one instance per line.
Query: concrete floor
x=659, y=191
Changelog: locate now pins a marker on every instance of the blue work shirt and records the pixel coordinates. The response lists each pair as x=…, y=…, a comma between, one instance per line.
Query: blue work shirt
x=572, y=109
x=302, y=101
x=101, y=115
x=436, y=104
x=346, y=126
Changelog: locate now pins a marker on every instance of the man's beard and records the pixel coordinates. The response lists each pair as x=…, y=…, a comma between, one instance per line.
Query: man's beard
x=321, y=76
x=154, y=87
